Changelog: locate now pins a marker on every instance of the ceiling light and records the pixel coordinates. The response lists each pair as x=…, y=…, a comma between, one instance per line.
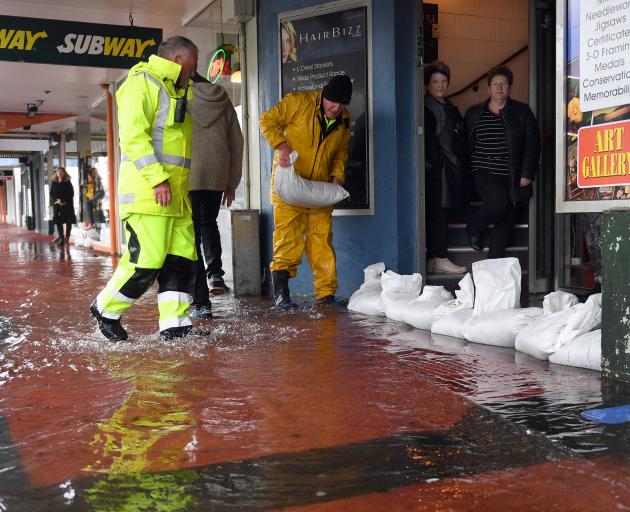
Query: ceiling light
x=31, y=110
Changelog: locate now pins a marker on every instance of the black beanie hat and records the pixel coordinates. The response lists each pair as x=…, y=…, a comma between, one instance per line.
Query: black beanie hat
x=338, y=89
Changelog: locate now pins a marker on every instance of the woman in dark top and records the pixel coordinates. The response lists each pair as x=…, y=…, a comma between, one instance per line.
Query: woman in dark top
x=504, y=146
x=445, y=149
x=62, y=197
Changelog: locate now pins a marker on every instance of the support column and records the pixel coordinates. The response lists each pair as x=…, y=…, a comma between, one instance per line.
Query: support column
x=616, y=294
x=111, y=173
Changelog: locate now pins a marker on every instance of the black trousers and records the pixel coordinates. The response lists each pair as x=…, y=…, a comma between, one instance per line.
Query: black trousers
x=436, y=219
x=205, y=210
x=497, y=209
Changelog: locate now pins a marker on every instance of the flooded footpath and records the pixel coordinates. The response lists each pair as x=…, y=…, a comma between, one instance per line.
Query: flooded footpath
x=315, y=410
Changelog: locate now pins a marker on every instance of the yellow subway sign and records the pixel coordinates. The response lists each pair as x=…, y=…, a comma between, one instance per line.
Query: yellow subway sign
x=73, y=43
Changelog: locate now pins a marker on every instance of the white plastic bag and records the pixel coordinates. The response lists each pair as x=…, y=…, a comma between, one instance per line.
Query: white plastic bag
x=419, y=312
x=297, y=191
x=584, y=351
x=373, y=272
x=398, y=291
x=587, y=316
x=367, y=299
x=549, y=333
x=497, y=284
x=558, y=301
x=465, y=298
x=452, y=324
x=499, y=328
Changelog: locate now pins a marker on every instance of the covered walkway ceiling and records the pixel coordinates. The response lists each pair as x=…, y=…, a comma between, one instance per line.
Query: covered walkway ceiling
x=77, y=90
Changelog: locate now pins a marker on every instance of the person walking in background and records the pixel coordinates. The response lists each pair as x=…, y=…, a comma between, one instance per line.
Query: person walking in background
x=93, y=194
x=316, y=124
x=216, y=169
x=155, y=139
x=504, y=146
x=62, y=197
x=445, y=150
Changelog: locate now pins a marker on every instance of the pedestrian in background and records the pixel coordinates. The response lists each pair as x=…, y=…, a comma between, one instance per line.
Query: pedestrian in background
x=155, y=138
x=216, y=169
x=316, y=124
x=62, y=197
x=504, y=147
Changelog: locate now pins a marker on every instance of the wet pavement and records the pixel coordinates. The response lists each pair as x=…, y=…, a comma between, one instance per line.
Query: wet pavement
x=316, y=410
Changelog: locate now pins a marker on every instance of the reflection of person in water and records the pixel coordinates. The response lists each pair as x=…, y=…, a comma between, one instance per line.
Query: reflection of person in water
x=288, y=46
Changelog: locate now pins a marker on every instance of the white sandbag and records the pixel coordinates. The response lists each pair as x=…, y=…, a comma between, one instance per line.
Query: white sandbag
x=295, y=190
x=540, y=338
x=584, y=351
x=398, y=291
x=465, y=298
x=497, y=284
x=367, y=299
x=499, y=328
x=558, y=301
x=373, y=272
x=452, y=324
x=419, y=312
x=587, y=316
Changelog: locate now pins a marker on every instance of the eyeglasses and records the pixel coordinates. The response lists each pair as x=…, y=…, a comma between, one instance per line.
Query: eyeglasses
x=499, y=85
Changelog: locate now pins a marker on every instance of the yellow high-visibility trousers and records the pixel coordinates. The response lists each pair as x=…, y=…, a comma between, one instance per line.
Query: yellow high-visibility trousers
x=298, y=230
x=158, y=247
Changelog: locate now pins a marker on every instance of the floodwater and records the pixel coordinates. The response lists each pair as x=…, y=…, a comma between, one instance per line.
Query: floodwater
x=317, y=410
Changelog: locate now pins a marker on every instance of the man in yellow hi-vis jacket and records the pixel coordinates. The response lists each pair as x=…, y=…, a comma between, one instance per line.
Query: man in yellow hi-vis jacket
x=317, y=126
x=155, y=140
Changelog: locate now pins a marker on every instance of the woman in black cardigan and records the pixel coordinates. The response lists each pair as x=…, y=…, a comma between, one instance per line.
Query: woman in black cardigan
x=62, y=197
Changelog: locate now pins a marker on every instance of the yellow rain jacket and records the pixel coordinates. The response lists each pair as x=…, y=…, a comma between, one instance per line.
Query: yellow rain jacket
x=296, y=120
x=154, y=147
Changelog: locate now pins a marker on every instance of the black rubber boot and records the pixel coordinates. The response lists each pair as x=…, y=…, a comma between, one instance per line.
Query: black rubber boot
x=281, y=295
x=111, y=329
x=172, y=333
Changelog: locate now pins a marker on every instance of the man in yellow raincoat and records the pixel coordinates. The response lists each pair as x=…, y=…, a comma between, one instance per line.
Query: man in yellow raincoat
x=316, y=124
x=155, y=146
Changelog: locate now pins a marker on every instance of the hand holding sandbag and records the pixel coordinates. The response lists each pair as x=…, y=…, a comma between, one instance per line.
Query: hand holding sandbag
x=297, y=191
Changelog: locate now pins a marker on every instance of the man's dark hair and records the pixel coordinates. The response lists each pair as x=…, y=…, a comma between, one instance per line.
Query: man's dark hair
x=501, y=71
x=169, y=47
x=437, y=66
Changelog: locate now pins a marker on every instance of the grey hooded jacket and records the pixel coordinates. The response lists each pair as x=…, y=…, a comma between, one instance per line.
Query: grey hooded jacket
x=217, y=140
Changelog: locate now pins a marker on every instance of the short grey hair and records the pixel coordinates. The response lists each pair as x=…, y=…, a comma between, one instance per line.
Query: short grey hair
x=171, y=46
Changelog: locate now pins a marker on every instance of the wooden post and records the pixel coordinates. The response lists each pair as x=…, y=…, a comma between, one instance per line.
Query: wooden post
x=111, y=173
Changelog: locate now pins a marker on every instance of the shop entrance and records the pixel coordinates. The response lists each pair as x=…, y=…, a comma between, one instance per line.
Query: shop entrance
x=472, y=41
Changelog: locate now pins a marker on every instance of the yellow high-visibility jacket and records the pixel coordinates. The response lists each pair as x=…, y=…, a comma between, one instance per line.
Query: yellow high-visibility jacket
x=154, y=148
x=296, y=120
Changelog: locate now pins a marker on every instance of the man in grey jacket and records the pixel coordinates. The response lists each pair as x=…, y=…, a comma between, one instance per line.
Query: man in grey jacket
x=216, y=168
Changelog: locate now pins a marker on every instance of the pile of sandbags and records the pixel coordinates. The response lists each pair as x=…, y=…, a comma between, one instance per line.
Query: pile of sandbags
x=487, y=310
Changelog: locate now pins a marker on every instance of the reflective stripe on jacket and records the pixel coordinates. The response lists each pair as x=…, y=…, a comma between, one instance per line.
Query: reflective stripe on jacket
x=154, y=148
x=296, y=120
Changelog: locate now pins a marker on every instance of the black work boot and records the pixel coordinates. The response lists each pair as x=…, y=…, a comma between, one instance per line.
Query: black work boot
x=172, y=333
x=331, y=300
x=111, y=329
x=281, y=295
